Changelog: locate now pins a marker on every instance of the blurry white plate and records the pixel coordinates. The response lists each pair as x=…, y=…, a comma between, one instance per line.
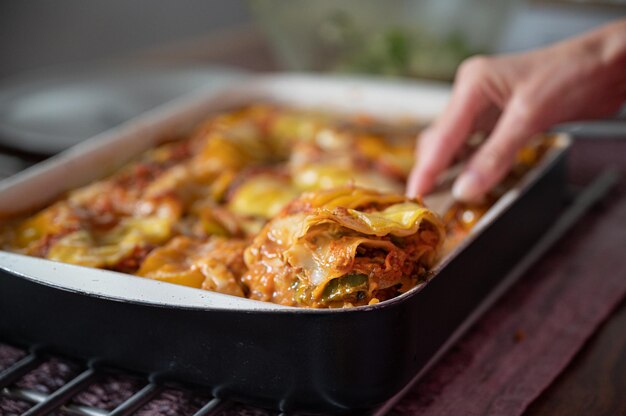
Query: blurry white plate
x=49, y=110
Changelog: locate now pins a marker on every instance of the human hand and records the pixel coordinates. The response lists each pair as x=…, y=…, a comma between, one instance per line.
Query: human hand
x=513, y=97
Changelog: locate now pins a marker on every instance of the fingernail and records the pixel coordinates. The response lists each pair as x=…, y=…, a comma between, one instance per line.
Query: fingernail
x=466, y=187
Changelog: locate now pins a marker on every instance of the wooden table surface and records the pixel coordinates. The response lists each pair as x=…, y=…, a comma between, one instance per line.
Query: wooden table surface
x=594, y=383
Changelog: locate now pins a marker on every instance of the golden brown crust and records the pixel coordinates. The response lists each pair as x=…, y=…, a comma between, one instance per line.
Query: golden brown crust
x=314, y=202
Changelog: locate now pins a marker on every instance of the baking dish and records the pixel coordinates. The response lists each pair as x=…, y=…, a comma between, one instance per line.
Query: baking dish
x=339, y=360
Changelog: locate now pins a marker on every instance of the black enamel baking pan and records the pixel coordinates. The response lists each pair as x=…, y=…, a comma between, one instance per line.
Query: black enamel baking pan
x=292, y=359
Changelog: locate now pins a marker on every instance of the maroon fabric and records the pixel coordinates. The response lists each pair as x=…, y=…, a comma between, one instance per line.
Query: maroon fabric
x=519, y=347
x=9, y=355
x=109, y=391
x=173, y=403
x=49, y=376
x=12, y=407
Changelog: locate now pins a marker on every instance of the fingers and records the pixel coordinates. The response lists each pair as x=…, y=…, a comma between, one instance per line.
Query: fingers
x=438, y=145
x=519, y=122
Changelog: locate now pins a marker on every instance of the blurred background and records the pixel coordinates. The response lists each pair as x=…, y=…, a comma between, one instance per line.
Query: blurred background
x=72, y=68
x=398, y=37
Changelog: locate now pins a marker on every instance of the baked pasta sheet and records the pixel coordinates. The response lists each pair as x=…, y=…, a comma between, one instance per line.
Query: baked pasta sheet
x=301, y=208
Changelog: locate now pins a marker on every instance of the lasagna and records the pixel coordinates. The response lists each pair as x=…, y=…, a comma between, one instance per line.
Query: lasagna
x=276, y=204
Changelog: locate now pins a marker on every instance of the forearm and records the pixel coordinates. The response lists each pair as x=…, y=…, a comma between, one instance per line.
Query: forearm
x=612, y=40
x=608, y=43
x=614, y=54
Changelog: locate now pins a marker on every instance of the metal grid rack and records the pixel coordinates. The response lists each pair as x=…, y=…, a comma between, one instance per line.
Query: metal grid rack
x=61, y=401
